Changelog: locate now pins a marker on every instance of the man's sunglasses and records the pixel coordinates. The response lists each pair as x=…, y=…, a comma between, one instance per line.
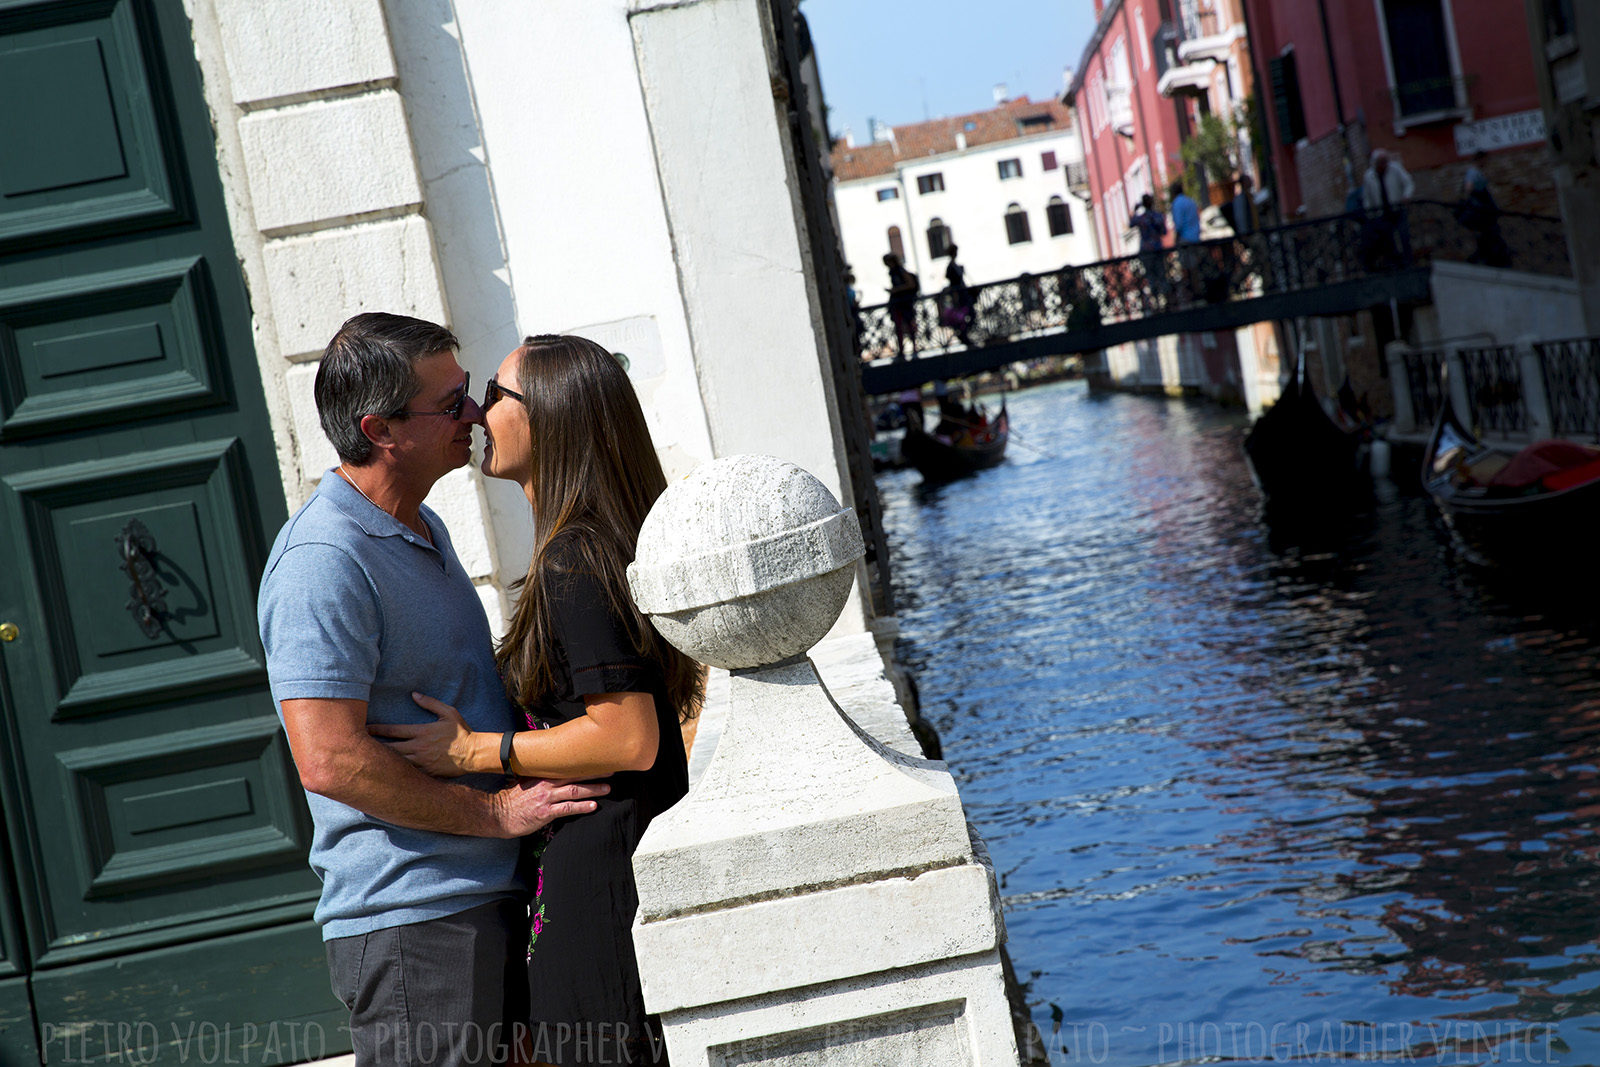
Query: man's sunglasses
x=493, y=391
x=454, y=410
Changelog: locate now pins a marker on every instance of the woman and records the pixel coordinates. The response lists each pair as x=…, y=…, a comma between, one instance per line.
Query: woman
x=603, y=693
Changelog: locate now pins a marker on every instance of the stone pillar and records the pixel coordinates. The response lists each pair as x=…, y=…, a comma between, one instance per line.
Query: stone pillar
x=1455, y=379
x=1541, y=421
x=1405, y=412
x=817, y=897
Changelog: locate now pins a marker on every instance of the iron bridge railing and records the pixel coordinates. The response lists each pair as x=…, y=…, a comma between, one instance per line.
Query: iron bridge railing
x=1493, y=377
x=1299, y=257
x=1565, y=402
x=1572, y=384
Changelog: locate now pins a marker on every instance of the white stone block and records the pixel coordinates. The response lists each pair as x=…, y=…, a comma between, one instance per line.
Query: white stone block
x=291, y=47
x=318, y=280
x=811, y=938
x=494, y=607
x=790, y=770
x=456, y=499
x=316, y=451
x=950, y=1014
x=329, y=160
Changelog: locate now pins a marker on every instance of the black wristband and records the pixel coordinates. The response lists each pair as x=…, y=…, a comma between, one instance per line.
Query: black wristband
x=505, y=751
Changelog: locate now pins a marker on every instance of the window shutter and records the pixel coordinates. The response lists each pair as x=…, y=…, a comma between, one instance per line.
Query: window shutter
x=1285, y=78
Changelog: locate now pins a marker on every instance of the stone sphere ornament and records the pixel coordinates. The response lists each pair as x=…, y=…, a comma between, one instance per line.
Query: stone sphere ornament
x=745, y=563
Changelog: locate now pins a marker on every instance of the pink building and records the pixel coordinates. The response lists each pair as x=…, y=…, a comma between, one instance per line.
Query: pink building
x=1131, y=133
x=1432, y=81
x=1151, y=69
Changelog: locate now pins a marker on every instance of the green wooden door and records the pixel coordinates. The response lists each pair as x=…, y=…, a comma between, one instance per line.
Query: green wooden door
x=153, y=884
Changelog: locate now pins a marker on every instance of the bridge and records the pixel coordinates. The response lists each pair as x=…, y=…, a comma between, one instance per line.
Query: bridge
x=1329, y=266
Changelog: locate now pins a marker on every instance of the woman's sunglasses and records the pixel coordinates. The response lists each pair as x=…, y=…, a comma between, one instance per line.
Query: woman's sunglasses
x=493, y=391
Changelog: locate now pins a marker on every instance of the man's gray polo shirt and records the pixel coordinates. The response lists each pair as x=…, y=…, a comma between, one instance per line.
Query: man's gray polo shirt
x=354, y=605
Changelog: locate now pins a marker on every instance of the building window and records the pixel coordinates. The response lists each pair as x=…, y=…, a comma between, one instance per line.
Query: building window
x=1096, y=91
x=1057, y=215
x=896, y=245
x=930, y=183
x=939, y=240
x=1047, y=161
x=1017, y=231
x=1286, y=103
x=1421, y=75
x=1010, y=168
x=889, y=192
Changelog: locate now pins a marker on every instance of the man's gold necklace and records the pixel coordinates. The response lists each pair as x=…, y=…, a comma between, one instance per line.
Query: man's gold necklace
x=347, y=477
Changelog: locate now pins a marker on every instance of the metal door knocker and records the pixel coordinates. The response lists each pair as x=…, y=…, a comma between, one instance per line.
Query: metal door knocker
x=147, y=597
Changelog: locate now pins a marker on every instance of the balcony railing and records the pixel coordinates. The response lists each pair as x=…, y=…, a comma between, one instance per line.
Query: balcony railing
x=1078, y=178
x=1199, y=20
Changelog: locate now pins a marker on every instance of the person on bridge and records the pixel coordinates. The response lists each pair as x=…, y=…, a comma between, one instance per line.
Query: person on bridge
x=1186, y=230
x=1384, y=192
x=903, y=289
x=1185, y=215
x=958, y=310
x=1152, y=227
x=1479, y=213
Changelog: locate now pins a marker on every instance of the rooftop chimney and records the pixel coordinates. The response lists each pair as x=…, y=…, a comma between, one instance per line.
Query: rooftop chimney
x=881, y=131
x=1000, y=94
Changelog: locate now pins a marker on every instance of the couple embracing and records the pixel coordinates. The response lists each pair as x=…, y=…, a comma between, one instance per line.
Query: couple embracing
x=476, y=806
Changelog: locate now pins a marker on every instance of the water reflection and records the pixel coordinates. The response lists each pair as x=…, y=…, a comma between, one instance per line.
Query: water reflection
x=1339, y=796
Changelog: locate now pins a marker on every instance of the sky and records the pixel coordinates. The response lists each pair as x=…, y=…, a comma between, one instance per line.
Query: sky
x=903, y=61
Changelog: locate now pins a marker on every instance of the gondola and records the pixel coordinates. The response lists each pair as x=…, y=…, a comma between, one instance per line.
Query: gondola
x=1534, y=509
x=1305, y=464
x=958, y=445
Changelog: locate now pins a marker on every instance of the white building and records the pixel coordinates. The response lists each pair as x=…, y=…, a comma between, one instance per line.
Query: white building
x=993, y=182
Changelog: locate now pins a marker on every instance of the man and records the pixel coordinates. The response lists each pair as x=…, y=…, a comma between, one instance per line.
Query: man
x=1384, y=191
x=363, y=603
x=1186, y=231
x=1244, y=207
x=1386, y=185
x=1185, y=215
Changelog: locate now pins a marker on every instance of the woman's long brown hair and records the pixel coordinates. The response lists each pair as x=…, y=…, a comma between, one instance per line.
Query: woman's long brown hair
x=595, y=477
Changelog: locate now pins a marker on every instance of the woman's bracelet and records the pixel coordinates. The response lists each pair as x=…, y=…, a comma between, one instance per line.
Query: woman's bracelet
x=505, y=751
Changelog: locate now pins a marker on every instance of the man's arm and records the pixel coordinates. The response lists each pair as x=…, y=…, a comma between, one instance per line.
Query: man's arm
x=338, y=759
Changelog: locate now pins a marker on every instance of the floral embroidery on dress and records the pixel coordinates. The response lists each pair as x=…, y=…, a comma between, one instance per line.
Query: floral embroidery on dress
x=541, y=841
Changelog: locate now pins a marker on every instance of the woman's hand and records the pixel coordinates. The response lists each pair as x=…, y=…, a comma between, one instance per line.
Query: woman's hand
x=444, y=749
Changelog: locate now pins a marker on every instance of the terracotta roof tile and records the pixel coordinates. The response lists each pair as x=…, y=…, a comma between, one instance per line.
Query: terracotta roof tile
x=1013, y=119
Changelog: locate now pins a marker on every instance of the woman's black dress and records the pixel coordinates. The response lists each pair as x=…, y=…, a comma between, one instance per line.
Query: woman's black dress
x=583, y=977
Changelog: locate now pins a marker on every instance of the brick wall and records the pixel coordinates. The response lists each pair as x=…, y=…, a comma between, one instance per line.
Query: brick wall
x=1520, y=178
x=1320, y=163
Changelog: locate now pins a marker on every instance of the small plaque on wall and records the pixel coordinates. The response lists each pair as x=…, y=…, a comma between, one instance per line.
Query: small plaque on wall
x=636, y=342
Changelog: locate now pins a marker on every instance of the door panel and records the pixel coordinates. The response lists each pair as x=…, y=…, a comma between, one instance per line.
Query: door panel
x=96, y=1013
x=109, y=168
x=74, y=526
x=155, y=833
x=106, y=347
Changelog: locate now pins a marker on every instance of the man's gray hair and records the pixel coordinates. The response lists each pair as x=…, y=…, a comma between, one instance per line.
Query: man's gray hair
x=369, y=368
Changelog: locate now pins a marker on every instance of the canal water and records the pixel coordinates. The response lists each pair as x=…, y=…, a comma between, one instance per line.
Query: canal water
x=1250, y=801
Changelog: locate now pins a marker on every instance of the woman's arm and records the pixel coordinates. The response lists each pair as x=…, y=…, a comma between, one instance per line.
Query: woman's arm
x=617, y=732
